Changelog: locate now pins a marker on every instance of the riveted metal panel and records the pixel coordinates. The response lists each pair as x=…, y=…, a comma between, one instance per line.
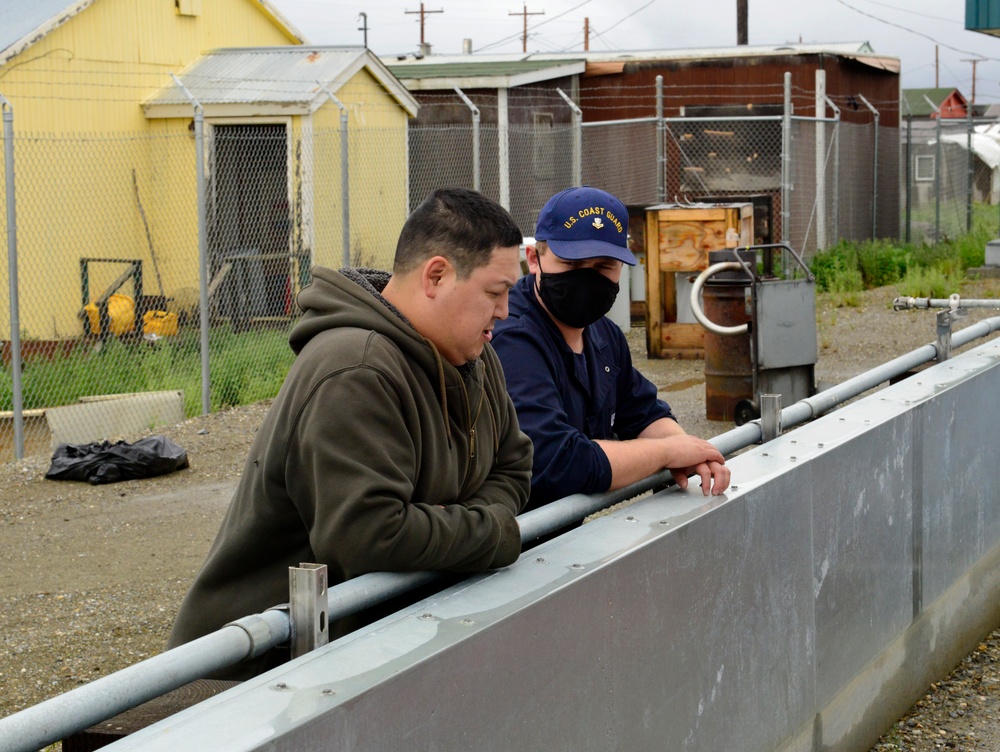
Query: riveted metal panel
x=960, y=472
x=788, y=614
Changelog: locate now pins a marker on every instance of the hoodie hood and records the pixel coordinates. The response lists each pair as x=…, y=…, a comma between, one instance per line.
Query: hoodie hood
x=353, y=298
x=348, y=298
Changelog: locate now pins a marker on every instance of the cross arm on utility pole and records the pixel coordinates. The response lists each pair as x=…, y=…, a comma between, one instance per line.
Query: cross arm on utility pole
x=973, y=60
x=422, y=13
x=524, y=13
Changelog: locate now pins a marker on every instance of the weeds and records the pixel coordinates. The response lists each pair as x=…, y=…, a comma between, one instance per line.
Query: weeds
x=244, y=368
x=920, y=270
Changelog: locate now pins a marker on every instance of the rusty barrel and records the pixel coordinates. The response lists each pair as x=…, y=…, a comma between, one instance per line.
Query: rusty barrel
x=728, y=361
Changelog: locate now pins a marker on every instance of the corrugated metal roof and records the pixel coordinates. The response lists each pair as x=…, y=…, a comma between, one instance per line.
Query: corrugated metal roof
x=22, y=23
x=440, y=67
x=468, y=67
x=984, y=146
x=852, y=49
x=286, y=77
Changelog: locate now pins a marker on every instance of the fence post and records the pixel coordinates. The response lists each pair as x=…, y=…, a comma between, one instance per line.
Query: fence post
x=836, y=170
x=15, y=320
x=972, y=171
x=909, y=160
x=820, y=160
x=503, y=147
x=577, y=138
x=475, y=137
x=937, y=170
x=874, y=168
x=199, y=151
x=661, y=157
x=345, y=186
x=786, y=159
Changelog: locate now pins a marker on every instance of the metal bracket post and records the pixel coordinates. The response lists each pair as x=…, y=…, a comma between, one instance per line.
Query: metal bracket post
x=661, y=150
x=475, y=137
x=770, y=416
x=199, y=157
x=577, y=138
x=875, y=113
x=15, y=325
x=945, y=320
x=307, y=596
x=836, y=170
x=345, y=182
x=937, y=169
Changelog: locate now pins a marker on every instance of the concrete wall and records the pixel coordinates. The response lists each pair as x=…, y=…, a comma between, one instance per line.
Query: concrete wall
x=853, y=562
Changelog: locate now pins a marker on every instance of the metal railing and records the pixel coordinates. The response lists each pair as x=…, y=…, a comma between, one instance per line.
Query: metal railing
x=249, y=637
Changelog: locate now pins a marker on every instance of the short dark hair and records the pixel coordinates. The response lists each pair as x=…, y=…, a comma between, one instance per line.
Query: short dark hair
x=460, y=224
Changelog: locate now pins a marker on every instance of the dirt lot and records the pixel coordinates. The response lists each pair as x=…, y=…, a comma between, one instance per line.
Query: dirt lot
x=90, y=577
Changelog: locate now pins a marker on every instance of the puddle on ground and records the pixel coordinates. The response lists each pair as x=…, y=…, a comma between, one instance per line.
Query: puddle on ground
x=680, y=386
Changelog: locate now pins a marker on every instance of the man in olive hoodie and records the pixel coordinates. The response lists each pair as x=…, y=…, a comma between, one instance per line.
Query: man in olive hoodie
x=392, y=445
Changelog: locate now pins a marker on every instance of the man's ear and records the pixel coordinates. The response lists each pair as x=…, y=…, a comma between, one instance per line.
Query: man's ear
x=436, y=271
x=531, y=257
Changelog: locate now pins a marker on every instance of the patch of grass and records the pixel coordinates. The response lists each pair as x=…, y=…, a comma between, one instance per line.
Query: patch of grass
x=929, y=283
x=881, y=263
x=243, y=368
x=850, y=267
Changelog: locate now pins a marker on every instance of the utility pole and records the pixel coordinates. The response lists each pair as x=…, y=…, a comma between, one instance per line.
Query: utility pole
x=741, y=22
x=974, y=60
x=364, y=26
x=525, y=14
x=586, y=33
x=936, y=66
x=422, y=13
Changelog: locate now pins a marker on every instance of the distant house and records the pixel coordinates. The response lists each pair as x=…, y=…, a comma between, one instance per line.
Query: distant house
x=927, y=103
x=275, y=138
x=105, y=158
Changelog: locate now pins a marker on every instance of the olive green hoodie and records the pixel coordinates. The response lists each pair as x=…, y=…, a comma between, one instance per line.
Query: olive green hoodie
x=377, y=455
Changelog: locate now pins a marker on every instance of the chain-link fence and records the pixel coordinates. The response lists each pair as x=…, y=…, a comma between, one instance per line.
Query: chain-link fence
x=108, y=257
x=114, y=339
x=949, y=167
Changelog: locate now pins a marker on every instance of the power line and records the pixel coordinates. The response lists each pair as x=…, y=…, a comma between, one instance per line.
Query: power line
x=913, y=31
x=625, y=18
x=537, y=25
x=913, y=12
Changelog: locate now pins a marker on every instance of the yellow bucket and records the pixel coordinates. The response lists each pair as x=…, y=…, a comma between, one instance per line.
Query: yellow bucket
x=121, y=311
x=160, y=323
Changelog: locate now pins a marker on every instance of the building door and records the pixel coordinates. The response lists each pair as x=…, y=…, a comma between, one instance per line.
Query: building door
x=249, y=226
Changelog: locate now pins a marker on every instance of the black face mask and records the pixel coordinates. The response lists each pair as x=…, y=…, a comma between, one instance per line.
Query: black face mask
x=578, y=297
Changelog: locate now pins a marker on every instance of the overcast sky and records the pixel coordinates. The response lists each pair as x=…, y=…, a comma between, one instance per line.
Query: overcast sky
x=907, y=29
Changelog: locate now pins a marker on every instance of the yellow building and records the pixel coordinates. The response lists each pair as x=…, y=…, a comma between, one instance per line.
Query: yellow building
x=105, y=168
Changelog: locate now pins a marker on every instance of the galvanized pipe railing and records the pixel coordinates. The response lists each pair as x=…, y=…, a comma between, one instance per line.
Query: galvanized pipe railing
x=906, y=304
x=57, y=718
x=251, y=636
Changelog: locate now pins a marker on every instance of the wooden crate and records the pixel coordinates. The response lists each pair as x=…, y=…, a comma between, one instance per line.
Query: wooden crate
x=678, y=238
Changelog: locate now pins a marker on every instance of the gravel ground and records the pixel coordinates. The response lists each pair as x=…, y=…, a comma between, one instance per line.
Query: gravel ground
x=91, y=576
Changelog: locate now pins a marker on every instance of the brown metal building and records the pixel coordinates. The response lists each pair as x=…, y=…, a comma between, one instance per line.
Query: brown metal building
x=732, y=84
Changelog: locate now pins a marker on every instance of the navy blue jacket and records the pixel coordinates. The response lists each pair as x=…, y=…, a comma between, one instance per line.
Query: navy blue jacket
x=564, y=400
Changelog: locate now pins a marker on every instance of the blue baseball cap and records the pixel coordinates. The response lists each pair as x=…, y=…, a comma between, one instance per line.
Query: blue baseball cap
x=584, y=222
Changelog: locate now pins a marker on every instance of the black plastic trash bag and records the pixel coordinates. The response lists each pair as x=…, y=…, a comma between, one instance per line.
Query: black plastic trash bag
x=104, y=462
